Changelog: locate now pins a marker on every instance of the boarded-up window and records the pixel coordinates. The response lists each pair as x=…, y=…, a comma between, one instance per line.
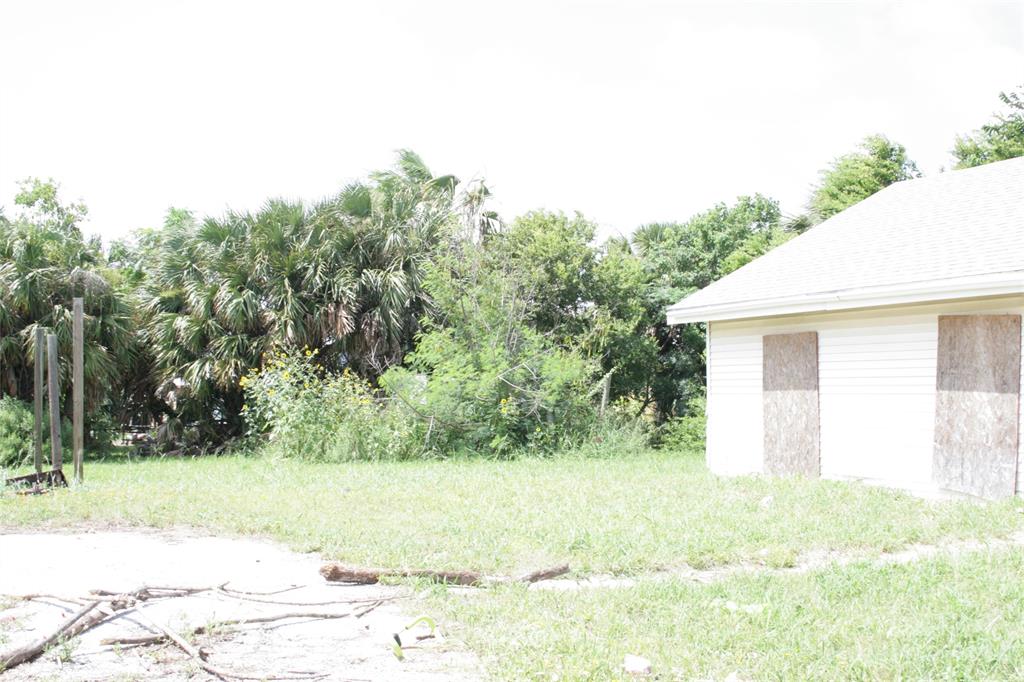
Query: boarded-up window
x=977, y=404
x=791, y=424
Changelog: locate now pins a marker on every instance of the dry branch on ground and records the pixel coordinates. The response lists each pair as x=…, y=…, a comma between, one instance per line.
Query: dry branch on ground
x=334, y=571
x=103, y=605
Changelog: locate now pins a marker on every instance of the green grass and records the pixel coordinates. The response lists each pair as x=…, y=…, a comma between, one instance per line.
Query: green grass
x=622, y=515
x=938, y=619
x=945, y=618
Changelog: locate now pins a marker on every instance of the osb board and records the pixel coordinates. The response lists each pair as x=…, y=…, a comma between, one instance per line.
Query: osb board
x=790, y=397
x=977, y=404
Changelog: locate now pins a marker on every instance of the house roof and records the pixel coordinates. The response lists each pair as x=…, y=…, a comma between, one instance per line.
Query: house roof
x=954, y=235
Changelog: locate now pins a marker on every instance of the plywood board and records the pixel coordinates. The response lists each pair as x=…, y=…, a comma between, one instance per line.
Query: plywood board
x=977, y=404
x=790, y=397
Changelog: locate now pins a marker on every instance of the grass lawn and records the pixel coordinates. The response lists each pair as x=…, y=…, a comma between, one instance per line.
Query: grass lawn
x=944, y=617
x=619, y=515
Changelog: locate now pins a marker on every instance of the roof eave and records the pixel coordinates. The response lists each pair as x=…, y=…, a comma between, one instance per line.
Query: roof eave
x=977, y=286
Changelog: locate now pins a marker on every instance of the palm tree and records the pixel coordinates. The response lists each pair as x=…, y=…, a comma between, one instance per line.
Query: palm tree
x=387, y=231
x=344, y=276
x=44, y=264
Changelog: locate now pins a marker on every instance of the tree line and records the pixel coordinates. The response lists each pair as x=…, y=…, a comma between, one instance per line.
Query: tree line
x=404, y=279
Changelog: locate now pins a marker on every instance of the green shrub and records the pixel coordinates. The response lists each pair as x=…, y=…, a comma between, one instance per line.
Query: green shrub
x=311, y=414
x=487, y=400
x=102, y=430
x=688, y=431
x=16, y=422
x=482, y=377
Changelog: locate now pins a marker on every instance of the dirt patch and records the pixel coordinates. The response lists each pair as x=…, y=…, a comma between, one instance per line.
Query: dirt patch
x=69, y=565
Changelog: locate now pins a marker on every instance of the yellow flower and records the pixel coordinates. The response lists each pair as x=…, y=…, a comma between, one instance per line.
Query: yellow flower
x=285, y=375
x=309, y=354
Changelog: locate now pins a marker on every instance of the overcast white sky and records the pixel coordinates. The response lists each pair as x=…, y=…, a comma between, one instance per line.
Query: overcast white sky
x=627, y=111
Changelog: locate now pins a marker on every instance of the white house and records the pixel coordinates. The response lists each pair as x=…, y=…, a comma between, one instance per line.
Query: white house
x=882, y=345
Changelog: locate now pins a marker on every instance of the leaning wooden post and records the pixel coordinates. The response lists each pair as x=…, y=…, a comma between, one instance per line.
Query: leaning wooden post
x=605, y=391
x=53, y=387
x=78, y=388
x=37, y=432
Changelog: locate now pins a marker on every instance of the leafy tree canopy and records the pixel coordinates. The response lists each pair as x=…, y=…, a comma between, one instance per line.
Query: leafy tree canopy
x=1003, y=138
x=682, y=257
x=856, y=176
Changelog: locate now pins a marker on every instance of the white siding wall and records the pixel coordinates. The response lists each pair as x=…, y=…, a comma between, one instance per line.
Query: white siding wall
x=876, y=390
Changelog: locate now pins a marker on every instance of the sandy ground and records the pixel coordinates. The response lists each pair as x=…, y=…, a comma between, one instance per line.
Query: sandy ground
x=69, y=565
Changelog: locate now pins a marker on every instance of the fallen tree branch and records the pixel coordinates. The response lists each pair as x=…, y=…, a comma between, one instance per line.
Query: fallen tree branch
x=340, y=573
x=544, y=574
x=334, y=571
x=78, y=622
x=103, y=604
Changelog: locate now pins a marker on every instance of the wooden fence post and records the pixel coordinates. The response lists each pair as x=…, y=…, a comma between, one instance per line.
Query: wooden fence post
x=605, y=391
x=78, y=388
x=53, y=381
x=37, y=432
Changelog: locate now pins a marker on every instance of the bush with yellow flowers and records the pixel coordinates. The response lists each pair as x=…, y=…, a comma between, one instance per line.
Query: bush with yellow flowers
x=310, y=413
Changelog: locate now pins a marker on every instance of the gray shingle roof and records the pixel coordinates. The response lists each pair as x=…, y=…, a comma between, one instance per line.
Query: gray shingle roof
x=925, y=234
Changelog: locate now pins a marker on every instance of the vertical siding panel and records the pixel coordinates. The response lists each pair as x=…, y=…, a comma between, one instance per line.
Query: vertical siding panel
x=878, y=415
x=735, y=413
